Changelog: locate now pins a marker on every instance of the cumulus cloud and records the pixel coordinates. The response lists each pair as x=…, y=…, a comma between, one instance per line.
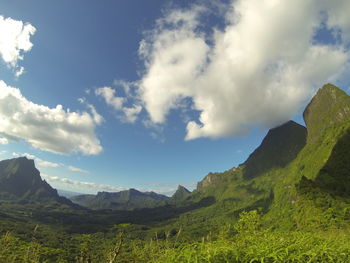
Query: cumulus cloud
x=258, y=70
x=51, y=129
x=14, y=41
x=89, y=185
x=77, y=170
x=130, y=114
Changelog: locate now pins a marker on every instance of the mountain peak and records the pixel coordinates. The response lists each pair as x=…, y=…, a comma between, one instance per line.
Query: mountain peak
x=279, y=147
x=181, y=194
x=330, y=105
x=19, y=179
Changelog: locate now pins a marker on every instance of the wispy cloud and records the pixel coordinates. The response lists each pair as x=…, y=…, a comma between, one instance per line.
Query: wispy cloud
x=88, y=185
x=129, y=113
x=78, y=170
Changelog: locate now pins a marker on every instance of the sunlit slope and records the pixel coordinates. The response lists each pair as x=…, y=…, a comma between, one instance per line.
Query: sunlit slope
x=296, y=178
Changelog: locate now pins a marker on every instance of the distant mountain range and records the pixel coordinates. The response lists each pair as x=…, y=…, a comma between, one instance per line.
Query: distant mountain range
x=129, y=199
x=66, y=193
x=20, y=182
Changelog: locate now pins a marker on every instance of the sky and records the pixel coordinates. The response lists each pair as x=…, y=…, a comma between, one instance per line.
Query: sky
x=112, y=95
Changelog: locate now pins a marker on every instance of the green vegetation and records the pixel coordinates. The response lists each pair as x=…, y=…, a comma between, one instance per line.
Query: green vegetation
x=247, y=241
x=289, y=202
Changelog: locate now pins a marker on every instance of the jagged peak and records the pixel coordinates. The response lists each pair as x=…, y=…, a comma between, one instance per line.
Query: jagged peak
x=330, y=105
x=182, y=188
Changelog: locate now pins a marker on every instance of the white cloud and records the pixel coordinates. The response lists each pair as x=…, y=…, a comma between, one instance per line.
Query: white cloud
x=86, y=185
x=38, y=161
x=257, y=71
x=4, y=140
x=96, y=116
x=130, y=114
x=51, y=129
x=14, y=40
x=109, y=95
x=78, y=170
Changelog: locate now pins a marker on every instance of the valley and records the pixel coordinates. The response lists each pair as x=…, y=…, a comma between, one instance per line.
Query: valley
x=288, y=202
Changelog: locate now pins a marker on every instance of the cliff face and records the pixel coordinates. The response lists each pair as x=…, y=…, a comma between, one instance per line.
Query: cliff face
x=279, y=147
x=329, y=106
x=210, y=180
x=180, y=195
x=20, y=180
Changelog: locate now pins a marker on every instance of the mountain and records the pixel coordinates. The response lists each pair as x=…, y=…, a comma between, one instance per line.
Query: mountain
x=297, y=177
x=280, y=146
x=330, y=106
x=180, y=195
x=21, y=181
x=123, y=200
x=288, y=202
x=66, y=193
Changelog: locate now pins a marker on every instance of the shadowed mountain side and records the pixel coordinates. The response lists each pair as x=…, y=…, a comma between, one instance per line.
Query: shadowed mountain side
x=280, y=146
x=334, y=176
x=21, y=181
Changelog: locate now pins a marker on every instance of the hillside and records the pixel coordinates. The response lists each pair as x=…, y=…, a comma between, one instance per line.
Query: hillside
x=291, y=178
x=20, y=181
x=288, y=202
x=180, y=195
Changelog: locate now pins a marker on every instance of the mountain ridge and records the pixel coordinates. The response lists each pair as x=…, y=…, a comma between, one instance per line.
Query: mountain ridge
x=19, y=179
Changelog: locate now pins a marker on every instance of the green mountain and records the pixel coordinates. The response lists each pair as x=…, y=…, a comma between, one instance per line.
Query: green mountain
x=280, y=146
x=123, y=200
x=297, y=177
x=21, y=181
x=180, y=195
x=288, y=202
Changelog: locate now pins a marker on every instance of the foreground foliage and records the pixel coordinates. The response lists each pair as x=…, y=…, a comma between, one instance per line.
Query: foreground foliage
x=246, y=241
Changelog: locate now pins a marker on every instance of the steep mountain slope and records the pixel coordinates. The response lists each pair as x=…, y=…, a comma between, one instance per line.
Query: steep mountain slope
x=296, y=178
x=123, y=200
x=280, y=146
x=329, y=107
x=20, y=180
x=180, y=195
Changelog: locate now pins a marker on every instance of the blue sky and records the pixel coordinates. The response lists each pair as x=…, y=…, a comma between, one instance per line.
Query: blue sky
x=160, y=93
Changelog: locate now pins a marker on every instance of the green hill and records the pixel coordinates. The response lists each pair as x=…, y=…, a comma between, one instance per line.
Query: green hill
x=288, y=202
x=296, y=177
